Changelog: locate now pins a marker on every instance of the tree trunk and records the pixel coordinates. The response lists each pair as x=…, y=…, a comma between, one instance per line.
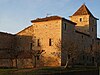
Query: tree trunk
x=66, y=65
x=35, y=62
x=16, y=63
x=11, y=63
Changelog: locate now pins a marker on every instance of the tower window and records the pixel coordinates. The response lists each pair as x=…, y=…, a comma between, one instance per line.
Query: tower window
x=64, y=26
x=38, y=42
x=80, y=19
x=50, y=42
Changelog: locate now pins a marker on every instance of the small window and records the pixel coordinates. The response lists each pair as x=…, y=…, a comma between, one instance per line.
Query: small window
x=68, y=56
x=92, y=40
x=82, y=36
x=87, y=57
x=92, y=29
x=50, y=42
x=92, y=59
x=64, y=26
x=83, y=57
x=91, y=47
x=30, y=46
x=38, y=42
x=80, y=19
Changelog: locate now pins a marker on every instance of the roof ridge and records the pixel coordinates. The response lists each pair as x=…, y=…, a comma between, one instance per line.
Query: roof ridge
x=83, y=10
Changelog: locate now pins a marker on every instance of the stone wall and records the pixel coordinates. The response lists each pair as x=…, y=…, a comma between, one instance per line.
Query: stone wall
x=7, y=42
x=44, y=31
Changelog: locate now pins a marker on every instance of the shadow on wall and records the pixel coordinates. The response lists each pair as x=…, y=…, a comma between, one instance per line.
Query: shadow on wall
x=29, y=54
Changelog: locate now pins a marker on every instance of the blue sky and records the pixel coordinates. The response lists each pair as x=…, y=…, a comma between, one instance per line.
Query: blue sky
x=16, y=15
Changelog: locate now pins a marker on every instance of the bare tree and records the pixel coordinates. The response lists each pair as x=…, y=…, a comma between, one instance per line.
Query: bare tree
x=94, y=53
x=68, y=48
x=13, y=54
x=35, y=55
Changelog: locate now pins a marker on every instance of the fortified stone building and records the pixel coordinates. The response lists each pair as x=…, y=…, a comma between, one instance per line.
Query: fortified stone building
x=44, y=35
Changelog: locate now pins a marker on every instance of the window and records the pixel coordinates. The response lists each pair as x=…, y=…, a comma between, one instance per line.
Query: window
x=82, y=36
x=38, y=42
x=92, y=29
x=30, y=46
x=92, y=59
x=64, y=26
x=50, y=42
x=92, y=40
x=83, y=57
x=91, y=47
x=80, y=19
x=68, y=56
x=87, y=57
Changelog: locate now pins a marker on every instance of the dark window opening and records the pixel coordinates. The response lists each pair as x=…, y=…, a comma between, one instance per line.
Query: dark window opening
x=64, y=26
x=68, y=56
x=92, y=29
x=38, y=42
x=91, y=47
x=72, y=59
x=92, y=59
x=83, y=57
x=82, y=36
x=87, y=57
x=50, y=42
x=80, y=19
x=30, y=46
x=92, y=40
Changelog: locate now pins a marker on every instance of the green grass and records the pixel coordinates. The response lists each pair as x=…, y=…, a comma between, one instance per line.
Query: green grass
x=44, y=70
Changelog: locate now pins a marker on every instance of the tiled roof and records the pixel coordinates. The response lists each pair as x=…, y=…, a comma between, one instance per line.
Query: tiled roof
x=46, y=19
x=50, y=18
x=83, y=10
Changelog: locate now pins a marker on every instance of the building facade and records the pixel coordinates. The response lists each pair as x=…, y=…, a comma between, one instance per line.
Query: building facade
x=49, y=35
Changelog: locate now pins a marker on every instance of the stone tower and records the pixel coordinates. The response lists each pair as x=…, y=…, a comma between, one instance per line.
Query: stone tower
x=86, y=22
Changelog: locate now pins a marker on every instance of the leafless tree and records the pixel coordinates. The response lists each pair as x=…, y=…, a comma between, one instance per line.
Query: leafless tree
x=13, y=54
x=69, y=49
x=94, y=53
x=35, y=55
